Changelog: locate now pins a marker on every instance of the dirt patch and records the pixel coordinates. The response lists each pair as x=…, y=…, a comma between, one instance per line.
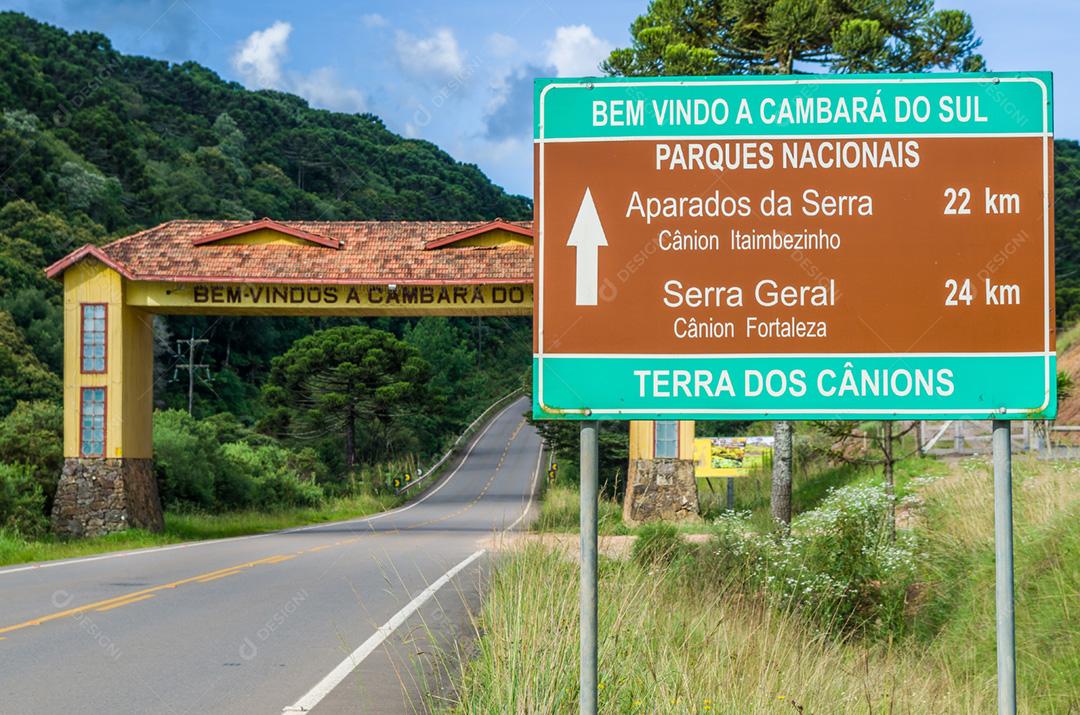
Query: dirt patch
x=568, y=545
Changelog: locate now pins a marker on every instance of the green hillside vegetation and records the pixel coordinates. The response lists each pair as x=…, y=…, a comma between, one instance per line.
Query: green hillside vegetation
x=94, y=145
x=128, y=142
x=1067, y=230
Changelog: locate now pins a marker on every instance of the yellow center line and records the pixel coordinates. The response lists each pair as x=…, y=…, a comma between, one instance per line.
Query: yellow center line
x=124, y=603
x=478, y=497
x=220, y=575
x=282, y=557
x=98, y=605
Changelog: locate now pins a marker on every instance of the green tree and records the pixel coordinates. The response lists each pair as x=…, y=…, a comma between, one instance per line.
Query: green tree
x=187, y=460
x=699, y=37
x=53, y=235
x=1067, y=230
x=22, y=376
x=22, y=505
x=438, y=342
x=39, y=314
x=32, y=436
x=355, y=382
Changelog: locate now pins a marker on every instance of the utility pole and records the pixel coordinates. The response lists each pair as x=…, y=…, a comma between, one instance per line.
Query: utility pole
x=191, y=366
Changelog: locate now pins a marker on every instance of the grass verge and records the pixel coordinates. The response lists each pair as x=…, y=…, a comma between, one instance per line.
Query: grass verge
x=688, y=636
x=192, y=527
x=671, y=644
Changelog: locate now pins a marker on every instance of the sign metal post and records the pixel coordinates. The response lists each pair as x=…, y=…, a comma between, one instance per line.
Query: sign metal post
x=589, y=492
x=1003, y=563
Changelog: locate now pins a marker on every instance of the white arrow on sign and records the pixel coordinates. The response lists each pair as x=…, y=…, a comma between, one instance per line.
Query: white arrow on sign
x=587, y=236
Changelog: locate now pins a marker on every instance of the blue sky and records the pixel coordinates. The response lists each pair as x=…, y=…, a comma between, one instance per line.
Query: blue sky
x=459, y=73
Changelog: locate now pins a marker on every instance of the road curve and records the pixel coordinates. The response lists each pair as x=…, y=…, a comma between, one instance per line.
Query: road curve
x=252, y=624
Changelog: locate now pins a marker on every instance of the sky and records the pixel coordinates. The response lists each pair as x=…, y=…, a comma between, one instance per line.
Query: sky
x=460, y=74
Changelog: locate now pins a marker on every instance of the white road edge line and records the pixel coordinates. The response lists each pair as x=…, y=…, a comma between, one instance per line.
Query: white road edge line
x=427, y=495
x=532, y=489
x=347, y=666
x=312, y=697
x=193, y=544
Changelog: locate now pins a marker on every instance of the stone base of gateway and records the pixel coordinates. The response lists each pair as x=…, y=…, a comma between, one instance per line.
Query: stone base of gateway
x=100, y=496
x=660, y=489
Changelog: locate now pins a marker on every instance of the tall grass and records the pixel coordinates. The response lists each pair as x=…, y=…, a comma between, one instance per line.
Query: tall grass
x=671, y=643
x=560, y=510
x=1067, y=338
x=957, y=619
x=695, y=634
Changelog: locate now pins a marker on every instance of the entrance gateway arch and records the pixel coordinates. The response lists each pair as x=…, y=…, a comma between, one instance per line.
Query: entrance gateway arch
x=301, y=268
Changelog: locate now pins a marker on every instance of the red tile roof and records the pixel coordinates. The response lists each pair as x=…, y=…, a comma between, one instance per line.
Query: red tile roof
x=371, y=252
x=480, y=229
x=269, y=224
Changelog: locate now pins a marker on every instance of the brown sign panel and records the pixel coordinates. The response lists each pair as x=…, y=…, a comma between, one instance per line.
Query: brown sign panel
x=802, y=269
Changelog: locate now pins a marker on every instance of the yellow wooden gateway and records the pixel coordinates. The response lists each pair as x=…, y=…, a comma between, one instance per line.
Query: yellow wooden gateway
x=343, y=268
x=669, y=439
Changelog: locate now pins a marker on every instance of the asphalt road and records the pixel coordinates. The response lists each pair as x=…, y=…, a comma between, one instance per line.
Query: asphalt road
x=263, y=624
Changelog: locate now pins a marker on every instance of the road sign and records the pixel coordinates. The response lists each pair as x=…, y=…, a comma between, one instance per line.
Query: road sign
x=862, y=246
x=731, y=456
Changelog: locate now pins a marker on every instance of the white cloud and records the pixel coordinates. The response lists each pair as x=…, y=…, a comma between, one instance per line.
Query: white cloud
x=501, y=46
x=576, y=51
x=374, y=20
x=437, y=55
x=510, y=111
x=259, y=61
x=323, y=88
x=259, y=58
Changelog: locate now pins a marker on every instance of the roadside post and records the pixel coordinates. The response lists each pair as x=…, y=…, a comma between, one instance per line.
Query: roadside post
x=589, y=494
x=1003, y=568
x=816, y=247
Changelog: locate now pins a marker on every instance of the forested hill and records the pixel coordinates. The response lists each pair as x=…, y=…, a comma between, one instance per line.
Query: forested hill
x=95, y=144
x=129, y=141
x=1067, y=229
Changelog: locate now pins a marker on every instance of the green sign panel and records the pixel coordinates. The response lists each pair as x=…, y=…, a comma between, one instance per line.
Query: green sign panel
x=820, y=247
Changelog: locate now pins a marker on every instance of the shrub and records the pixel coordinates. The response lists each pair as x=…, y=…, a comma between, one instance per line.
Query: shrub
x=268, y=472
x=227, y=428
x=235, y=484
x=307, y=466
x=845, y=543
x=22, y=504
x=735, y=548
x=194, y=470
x=278, y=490
x=837, y=566
x=186, y=459
x=32, y=434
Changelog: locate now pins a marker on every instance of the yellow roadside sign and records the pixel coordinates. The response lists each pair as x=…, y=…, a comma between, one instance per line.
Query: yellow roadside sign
x=731, y=456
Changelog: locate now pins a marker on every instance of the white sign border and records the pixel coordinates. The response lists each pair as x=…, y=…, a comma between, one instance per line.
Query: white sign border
x=1046, y=135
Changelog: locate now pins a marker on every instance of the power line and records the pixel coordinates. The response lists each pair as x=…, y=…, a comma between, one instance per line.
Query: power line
x=191, y=365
